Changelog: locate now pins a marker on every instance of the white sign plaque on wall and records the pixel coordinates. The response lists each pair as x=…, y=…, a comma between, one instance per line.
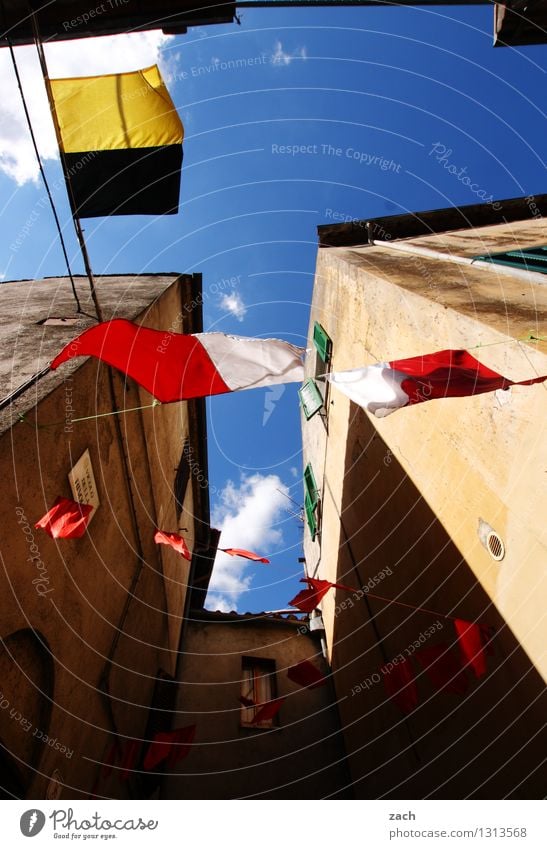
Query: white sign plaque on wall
x=82, y=483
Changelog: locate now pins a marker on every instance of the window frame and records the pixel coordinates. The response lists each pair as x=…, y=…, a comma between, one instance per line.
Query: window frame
x=264, y=689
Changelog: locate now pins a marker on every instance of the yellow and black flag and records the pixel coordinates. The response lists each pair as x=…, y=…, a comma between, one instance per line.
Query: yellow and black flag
x=121, y=140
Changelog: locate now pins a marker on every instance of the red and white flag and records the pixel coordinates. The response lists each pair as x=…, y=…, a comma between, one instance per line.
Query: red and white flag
x=177, y=366
x=383, y=388
x=67, y=519
x=175, y=541
x=248, y=555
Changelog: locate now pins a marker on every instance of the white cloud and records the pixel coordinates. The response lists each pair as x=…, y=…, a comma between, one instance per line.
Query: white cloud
x=247, y=516
x=281, y=57
x=81, y=57
x=233, y=303
x=218, y=602
x=294, y=472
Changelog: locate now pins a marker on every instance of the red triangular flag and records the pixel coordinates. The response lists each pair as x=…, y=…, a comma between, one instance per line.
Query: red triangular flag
x=470, y=643
x=400, y=686
x=317, y=583
x=241, y=552
x=178, y=366
x=443, y=668
x=158, y=750
x=130, y=750
x=306, y=674
x=308, y=600
x=111, y=758
x=181, y=744
x=67, y=519
x=173, y=745
x=175, y=541
x=268, y=710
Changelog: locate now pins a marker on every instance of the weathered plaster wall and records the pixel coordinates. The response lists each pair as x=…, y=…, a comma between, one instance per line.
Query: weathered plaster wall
x=301, y=758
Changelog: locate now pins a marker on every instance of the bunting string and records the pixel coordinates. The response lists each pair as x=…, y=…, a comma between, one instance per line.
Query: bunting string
x=530, y=337
x=22, y=418
x=414, y=607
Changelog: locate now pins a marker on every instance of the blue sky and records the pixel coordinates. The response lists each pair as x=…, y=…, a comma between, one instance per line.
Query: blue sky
x=290, y=118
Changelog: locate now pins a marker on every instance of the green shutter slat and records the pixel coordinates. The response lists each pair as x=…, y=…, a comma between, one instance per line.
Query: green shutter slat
x=531, y=259
x=535, y=256
x=322, y=342
x=310, y=516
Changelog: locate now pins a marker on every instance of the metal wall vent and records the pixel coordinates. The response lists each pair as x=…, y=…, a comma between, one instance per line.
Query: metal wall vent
x=495, y=546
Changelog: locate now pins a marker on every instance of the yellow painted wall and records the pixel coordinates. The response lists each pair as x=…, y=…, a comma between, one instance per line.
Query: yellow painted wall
x=80, y=609
x=407, y=493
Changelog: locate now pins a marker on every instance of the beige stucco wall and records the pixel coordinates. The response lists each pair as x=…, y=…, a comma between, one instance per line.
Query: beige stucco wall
x=88, y=580
x=407, y=493
x=301, y=758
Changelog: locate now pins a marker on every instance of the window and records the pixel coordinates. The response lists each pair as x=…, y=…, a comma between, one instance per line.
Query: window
x=311, y=501
x=257, y=686
x=182, y=477
x=311, y=398
x=529, y=259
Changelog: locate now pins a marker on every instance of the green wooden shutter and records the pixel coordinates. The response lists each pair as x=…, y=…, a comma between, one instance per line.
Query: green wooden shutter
x=311, y=501
x=310, y=485
x=322, y=342
x=310, y=398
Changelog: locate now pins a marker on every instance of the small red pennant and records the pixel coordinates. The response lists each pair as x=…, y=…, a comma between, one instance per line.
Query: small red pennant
x=241, y=552
x=308, y=600
x=400, y=686
x=306, y=674
x=443, y=668
x=171, y=745
x=67, y=519
x=130, y=751
x=175, y=541
x=268, y=710
x=470, y=643
x=181, y=745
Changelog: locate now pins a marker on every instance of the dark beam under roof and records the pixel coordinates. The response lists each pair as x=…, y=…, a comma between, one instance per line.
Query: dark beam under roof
x=414, y=224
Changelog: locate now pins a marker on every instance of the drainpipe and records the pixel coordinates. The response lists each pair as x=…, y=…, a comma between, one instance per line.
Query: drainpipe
x=430, y=253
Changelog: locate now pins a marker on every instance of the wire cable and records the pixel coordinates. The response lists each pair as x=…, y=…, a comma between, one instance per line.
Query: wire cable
x=42, y=172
